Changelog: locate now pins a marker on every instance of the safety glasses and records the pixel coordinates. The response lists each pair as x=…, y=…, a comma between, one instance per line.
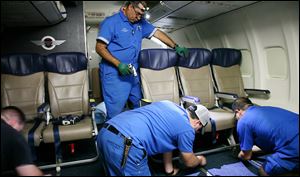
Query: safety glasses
x=137, y=10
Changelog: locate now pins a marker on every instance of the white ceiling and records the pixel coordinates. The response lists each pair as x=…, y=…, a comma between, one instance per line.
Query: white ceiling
x=168, y=15
x=178, y=14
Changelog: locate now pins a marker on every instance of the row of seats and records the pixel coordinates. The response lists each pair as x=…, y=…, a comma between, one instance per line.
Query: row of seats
x=61, y=79
x=166, y=76
x=214, y=76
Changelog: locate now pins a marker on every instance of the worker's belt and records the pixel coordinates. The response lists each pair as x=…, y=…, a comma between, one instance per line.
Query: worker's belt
x=112, y=129
x=127, y=142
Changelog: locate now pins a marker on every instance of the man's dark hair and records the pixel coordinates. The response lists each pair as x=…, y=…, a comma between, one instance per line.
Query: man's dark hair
x=241, y=103
x=135, y=3
x=16, y=110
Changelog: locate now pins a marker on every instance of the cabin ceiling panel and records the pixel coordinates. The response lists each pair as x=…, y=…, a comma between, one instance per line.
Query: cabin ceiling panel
x=31, y=13
x=179, y=14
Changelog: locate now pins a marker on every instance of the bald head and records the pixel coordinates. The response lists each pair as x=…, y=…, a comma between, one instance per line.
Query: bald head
x=13, y=116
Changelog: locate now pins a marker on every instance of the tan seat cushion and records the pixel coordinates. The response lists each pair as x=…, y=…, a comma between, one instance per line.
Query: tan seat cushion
x=37, y=133
x=80, y=130
x=224, y=119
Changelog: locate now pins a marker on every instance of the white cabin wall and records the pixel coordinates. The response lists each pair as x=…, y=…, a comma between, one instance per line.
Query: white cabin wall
x=93, y=56
x=259, y=30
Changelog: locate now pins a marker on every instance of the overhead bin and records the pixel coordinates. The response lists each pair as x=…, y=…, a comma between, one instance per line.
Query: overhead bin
x=32, y=13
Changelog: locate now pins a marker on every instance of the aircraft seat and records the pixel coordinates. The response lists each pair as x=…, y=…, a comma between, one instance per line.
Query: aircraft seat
x=226, y=71
x=158, y=75
x=227, y=74
x=196, y=80
x=22, y=85
x=68, y=95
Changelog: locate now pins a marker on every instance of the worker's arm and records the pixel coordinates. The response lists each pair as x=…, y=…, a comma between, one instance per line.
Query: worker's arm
x=182, y=51
x=190, y=160
x=164, y=38
x=29, y=170
x=101, y=49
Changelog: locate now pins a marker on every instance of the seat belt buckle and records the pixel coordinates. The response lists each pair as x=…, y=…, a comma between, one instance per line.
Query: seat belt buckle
x=66, y=122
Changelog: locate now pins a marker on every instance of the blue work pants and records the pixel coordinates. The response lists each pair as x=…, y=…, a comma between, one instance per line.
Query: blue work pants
x=111, y=147
x=117, y=90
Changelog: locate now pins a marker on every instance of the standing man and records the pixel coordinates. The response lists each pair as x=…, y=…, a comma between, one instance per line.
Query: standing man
x=161, y=127
x=15, y=152
x=119, y=43
x=273, y=130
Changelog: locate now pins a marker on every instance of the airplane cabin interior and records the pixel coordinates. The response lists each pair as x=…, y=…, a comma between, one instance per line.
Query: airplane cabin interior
x=50, y=70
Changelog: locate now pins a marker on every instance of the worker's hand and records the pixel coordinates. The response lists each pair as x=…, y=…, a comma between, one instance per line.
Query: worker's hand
x=182, y=51
x=202, y=160
x=123, y=69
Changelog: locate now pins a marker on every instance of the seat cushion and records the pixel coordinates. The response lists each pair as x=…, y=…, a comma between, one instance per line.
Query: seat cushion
x=37, y=133
x=224, y=119
x=80, y=130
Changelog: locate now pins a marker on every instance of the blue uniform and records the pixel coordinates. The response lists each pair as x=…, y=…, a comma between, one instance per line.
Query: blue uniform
x=274, y=130
x=156, y=128
x=123, y=40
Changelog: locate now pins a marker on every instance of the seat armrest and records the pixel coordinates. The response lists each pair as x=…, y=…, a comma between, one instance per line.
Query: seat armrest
x=191, y=99
x=187, y=101
x=225, y=95
x=44, y=111
x=92, y=103
x=144, y=102
x=43, y=108
x=261, y=93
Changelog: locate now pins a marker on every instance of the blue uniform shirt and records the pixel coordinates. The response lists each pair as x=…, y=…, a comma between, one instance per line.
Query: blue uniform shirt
x=271, y=129
x=159, y=127
x=267, y=127
x=123, y=39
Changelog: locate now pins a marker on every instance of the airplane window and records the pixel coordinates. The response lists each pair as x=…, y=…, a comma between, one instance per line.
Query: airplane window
x=277, y=62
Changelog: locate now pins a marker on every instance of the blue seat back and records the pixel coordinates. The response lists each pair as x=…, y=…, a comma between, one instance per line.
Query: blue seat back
x=158, y=74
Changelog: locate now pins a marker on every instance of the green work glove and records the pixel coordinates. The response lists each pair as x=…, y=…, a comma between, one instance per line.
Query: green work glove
x=182, y=51
x=124, y=69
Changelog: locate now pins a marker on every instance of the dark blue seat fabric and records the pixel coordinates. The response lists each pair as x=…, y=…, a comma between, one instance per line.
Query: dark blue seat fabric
x=226, y=57
x=157, y=59
x=21, y=64
x=197, y=58
x=66, y=62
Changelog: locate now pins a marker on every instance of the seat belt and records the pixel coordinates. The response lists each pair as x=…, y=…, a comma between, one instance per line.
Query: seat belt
x=213, y=130
x=31, y=138
x=57, y=145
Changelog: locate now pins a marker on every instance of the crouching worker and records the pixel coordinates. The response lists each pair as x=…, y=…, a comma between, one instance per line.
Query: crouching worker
x=126, y=140
x=15, y=152
x=274, y=130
